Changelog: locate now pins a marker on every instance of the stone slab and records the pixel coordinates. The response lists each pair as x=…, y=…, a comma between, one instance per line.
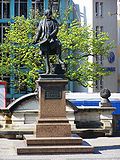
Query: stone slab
x=53, y=130
x=53, y=141
x=54, y=150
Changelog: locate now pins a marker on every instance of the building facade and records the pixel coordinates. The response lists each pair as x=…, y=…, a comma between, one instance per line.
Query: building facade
x=101, y=15
x=118, y=44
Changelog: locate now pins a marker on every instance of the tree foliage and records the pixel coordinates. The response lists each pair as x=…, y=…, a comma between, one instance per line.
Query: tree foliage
x=81, y=44
x=20, y=58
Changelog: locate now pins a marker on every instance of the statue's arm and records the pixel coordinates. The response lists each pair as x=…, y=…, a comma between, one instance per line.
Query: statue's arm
x=38, y=33
x=55, y=31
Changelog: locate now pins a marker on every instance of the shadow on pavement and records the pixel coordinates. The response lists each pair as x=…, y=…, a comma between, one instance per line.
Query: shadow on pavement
x=101, y=148
x=96, y=151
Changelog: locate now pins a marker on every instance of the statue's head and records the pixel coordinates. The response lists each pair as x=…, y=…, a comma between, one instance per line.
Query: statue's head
x=48, y=13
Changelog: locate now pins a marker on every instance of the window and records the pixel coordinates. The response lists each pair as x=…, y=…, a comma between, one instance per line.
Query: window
x=99, y=8
x=99, y=84
x=4, y=9
x=54, y=5
x=38, y=6
x=99, y=58
x=101, y=28
x=2, y=31
x=98, y=29
x=21, y=8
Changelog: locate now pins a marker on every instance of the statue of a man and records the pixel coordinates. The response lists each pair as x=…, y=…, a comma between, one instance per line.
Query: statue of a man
x=46, y=36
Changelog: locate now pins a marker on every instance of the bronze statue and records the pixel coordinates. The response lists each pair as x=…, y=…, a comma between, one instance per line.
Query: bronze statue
x=46, y=37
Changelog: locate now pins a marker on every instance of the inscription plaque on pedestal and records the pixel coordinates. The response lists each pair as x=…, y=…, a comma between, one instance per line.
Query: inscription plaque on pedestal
x=53, y=93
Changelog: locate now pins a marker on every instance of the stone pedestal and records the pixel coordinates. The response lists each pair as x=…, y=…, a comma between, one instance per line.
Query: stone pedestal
x=53, y=131
x=52, y=116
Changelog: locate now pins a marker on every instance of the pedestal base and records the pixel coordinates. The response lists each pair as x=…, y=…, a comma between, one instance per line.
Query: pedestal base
x=53, y=130
x=54, y=145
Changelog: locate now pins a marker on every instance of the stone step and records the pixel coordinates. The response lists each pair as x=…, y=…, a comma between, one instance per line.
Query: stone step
x=53, y=141
x=54, y=149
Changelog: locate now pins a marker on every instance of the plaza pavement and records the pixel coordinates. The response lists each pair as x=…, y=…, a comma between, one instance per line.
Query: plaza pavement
x=106, y=148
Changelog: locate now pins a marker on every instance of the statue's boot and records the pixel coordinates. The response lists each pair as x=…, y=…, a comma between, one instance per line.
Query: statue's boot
x=47, y=71
x=60, y=60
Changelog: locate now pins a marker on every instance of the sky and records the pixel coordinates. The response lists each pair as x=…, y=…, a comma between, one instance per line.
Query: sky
x=76, y=1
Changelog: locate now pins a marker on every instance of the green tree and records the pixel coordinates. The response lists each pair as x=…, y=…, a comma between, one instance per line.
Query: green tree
x=20, y=58
x=81, y=44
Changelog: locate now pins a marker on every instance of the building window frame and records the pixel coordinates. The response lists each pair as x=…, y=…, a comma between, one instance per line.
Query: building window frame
x=99, y=58
x=98, y=9
x=36, y=8
x=54, y=5
x=21, y=5
x=2, y=31
x=99, y=29
x=99, y=84
x=4, y=9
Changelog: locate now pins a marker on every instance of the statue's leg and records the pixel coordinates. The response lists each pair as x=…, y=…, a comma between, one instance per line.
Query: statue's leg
x=58, y=51
x=47, y=63
x=59, y=55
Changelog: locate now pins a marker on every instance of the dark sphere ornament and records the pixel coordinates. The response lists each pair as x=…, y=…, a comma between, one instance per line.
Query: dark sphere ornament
x=105, y=93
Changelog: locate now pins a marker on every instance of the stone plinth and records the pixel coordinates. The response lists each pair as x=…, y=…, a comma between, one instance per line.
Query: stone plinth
x=52, y=98
x=54, y=145
x=52, y=116
x=55, y=150
x=53, y=131
x=33, y=141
